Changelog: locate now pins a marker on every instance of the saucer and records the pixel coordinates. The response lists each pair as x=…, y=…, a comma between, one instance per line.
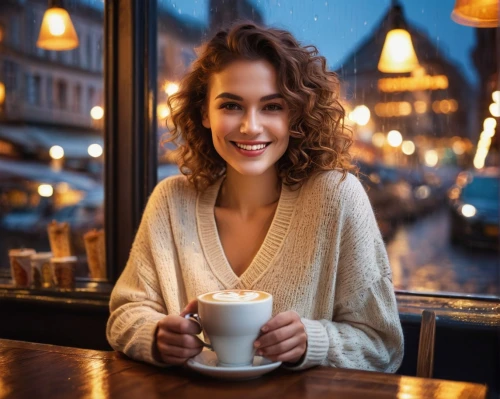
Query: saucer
x=206, y=363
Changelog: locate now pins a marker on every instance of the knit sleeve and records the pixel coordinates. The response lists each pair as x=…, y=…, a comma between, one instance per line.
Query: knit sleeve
x=136, y=304
x=365, y=330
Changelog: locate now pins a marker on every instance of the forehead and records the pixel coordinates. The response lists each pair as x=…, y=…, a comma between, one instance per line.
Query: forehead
x=243, y=76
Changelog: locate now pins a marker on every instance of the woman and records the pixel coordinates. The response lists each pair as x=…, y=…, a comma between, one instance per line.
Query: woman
x=266, y=203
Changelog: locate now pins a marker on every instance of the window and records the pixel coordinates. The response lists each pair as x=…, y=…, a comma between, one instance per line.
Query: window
x=49, y=98
x=31, y=25
x=91, y=101
x=61, y=94
x=88, y=49
x=37, y=90
x=77, y=99
x=414, y=132
x=48, y=130
x=98, y=55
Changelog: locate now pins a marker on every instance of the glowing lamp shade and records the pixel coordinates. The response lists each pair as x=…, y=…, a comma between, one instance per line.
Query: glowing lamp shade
x=57, y=31
x=477, y=13
x=2, y=93
x=398, y=54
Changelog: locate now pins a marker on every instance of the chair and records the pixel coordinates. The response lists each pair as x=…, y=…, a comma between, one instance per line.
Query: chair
x=425, y=360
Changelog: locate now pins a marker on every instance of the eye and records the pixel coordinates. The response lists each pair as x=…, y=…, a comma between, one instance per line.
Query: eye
x=230, y=106
x=273, y=107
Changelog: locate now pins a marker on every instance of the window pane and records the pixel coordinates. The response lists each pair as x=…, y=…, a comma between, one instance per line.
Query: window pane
x=51, y=164
x=421, y=136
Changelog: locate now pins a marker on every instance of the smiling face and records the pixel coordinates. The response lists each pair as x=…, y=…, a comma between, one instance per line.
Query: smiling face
x=248, y=117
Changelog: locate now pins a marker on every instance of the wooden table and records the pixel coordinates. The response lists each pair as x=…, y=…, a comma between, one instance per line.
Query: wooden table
x=30, y=370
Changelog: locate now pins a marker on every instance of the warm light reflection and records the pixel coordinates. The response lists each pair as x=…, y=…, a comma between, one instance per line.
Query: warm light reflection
x=431, y=158
x=489, y=124
x=408, y=147
x=395, y=108
x=96, y=112
x=171, y=88
x=45, y=190
x=378, y=139
x=163, y=111
x=56, y=152
x=445, y=106
x=420, y=107
x=394, y=138
x=95, y=150
x=2, y=93
x=495, y=109
x=496, y=96
x=458, y=147
x=413, y=83
x=398, y=54
x=360, y=115
x=468, y=210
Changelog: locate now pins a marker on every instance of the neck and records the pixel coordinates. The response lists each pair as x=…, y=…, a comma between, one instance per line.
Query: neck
x=247, y=194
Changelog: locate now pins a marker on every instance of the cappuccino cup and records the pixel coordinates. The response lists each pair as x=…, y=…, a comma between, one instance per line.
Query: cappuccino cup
x=231, y=320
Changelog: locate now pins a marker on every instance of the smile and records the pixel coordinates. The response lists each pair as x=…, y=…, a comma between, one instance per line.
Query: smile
x=251, y=147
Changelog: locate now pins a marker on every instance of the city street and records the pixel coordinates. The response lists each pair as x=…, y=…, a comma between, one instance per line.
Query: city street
x=423, y=260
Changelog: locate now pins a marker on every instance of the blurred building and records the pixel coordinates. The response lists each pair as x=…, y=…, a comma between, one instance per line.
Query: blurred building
x=430, y=107
x=48, y=95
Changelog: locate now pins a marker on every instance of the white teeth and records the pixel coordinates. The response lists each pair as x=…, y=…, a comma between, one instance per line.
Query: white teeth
x=255, y=147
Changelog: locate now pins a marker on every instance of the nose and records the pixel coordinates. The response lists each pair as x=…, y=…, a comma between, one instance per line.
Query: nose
x=251, y=123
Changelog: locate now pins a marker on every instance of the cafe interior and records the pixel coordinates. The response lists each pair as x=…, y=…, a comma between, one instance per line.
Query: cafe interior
x=84, y=86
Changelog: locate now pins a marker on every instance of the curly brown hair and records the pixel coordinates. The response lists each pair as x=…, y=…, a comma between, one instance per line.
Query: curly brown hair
x=319, y=141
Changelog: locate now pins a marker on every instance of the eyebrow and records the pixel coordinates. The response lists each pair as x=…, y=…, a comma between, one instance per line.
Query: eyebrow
x=238, y=98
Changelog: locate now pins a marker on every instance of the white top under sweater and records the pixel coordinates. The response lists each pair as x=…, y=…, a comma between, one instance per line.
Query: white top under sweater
x=323, y=257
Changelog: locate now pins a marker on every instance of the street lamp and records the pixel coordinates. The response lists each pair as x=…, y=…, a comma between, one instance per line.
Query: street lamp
x=398, y=54
x=57, y=31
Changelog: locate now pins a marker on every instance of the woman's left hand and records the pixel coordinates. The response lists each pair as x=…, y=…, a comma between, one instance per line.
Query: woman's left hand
x=283, y=338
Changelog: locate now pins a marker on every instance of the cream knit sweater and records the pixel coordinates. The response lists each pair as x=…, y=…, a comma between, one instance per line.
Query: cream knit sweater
x=323, y=257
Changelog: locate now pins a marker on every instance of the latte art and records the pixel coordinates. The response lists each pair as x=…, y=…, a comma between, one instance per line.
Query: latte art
x=235, y=296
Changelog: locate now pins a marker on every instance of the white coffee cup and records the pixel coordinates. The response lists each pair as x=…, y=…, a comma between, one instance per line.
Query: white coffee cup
x=232, y=319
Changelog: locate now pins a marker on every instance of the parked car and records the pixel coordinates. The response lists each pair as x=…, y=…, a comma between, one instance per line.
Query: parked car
x=474, y=208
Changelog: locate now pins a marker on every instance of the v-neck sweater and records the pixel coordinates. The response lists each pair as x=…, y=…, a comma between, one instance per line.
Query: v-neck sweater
x=323, y=257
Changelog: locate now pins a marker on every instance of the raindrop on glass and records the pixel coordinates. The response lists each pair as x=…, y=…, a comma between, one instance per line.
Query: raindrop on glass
x=315, y=17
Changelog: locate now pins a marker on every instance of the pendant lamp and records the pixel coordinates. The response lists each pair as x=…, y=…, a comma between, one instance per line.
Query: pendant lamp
x=57, y=31
x=398, y=54
x=476, y=13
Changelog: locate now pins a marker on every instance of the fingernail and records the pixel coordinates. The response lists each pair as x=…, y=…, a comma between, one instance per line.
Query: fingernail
x=256, y=344
x=264, y=329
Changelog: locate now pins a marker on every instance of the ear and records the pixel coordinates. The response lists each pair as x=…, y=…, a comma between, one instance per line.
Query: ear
x=205, y=120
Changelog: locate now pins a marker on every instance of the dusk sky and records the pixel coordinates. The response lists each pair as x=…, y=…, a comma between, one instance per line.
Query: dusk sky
x=336, y=27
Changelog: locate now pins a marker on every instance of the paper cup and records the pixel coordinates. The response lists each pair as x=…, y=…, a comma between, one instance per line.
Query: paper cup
x=42, y=272
x=20, y=266
x=64, y=271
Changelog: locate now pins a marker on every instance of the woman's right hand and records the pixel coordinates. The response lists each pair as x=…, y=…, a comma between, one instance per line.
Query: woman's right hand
x=175, y=339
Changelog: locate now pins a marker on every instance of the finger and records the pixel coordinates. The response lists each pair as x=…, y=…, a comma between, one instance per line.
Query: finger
x=177, y=351
x=180, y=325
x=276, y=336
x=191, y=307
x=281, y=347
x=180, y=340
x=280, y=320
